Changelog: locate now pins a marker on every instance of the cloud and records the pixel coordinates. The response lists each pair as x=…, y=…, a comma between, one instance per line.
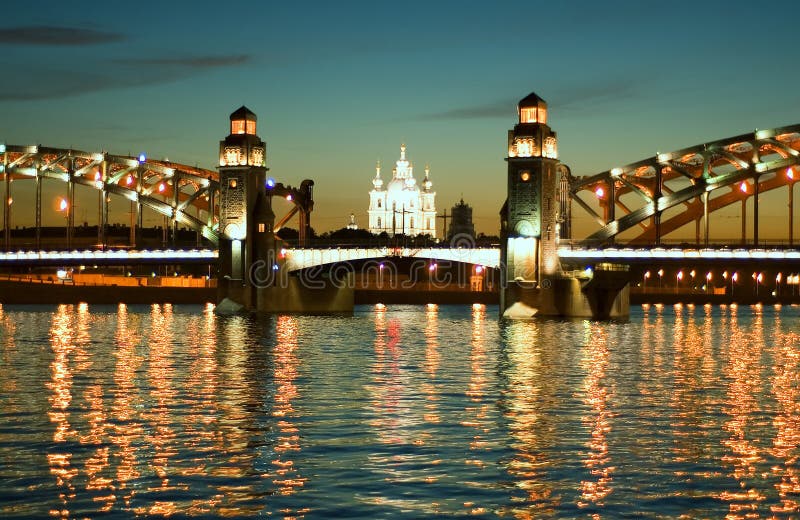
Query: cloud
x=52, y=35
x=578, y=98
x=194, y=62
x=28, y=86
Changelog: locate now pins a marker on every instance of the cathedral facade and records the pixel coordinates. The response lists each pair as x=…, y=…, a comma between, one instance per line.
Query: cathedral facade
x=402, y=207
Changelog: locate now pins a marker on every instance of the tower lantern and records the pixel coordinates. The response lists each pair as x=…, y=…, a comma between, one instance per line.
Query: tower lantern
x=242, y=147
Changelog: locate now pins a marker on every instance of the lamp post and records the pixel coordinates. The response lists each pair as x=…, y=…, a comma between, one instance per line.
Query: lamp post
x=660, y=278
x=734, y=277
x=678, y=278
x=644, y=281
x=708, y=282
x=431, y=274
x=778, y=284
x=692, y=273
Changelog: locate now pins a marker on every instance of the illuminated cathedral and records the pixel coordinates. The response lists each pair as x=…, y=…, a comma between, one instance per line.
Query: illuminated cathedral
x=402, y=208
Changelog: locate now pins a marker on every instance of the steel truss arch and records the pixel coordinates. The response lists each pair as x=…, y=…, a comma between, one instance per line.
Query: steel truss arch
x=170, y=189
x=716, y=165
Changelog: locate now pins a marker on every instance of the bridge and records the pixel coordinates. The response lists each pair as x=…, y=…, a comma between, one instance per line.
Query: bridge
x=182, y=194
x=639, y=203
x=636, y=209
x=649, y=199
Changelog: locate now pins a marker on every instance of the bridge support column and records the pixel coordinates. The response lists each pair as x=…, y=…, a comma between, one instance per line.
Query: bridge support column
x=6, y=204
x=791, y=213
x=532, y=279
x=102, y=206
x=38, y=205
x=705, y=218
x=755, y=211
x=744, y=221
x=70, y=209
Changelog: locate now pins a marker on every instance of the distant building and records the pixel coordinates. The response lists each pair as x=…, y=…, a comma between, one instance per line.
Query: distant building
x=352, y=224
x=402, y=208
x=461, y=223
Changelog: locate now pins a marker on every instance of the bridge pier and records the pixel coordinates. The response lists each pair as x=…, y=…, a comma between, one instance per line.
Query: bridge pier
x=533, y=282
x=250, y=268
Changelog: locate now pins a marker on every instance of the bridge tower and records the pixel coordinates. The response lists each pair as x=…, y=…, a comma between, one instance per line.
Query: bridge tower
x=533, y=280
x=246, y=219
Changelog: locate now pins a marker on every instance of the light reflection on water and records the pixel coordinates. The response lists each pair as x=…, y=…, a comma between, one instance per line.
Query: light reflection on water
x=399, y=411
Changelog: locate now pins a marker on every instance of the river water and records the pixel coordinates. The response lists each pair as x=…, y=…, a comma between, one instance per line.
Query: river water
x=400, y=412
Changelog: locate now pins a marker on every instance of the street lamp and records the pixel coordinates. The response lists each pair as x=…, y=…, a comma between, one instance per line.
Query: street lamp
x=734, y=277
x=778, y=284
x=660, y=277
x=692, y=273
x=63, y=206
x=644, y=281
x=431, y=274
x=678, y=278
x=708, y=282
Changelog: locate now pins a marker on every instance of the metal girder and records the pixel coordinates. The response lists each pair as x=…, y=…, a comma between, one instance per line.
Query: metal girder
x=202, y=181
x=708, y=181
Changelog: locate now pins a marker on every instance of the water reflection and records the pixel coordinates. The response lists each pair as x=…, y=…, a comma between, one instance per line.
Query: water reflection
x=597, y=396
x=687, y=411
x=525, y=402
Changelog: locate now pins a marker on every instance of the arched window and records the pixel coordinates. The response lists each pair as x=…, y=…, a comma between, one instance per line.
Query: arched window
x=412, y=222
x=379, y=203
x=379, y=221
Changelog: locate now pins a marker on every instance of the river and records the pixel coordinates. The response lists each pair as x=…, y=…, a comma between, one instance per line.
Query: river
x=398, y=412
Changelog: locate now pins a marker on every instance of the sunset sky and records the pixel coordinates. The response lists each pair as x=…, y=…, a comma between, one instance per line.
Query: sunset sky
x=339, y=85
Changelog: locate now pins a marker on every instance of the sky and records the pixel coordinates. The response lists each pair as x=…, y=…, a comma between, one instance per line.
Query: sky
x=339, y=85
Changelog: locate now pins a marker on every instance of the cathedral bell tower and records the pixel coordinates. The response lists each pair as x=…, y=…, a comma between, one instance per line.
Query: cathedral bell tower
x=245, y=216
x=530, y=216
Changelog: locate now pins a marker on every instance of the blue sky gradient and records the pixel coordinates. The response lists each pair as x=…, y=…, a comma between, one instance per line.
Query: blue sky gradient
x=339, y=85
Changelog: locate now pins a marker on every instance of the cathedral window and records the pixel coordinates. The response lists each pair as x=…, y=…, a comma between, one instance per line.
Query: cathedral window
x=412, y=222
x=379, y=221
x=379, y=205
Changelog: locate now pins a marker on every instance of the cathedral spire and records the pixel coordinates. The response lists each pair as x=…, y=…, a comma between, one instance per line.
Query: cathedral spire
x=403, y=151
x=377, y=182
x=427, y=182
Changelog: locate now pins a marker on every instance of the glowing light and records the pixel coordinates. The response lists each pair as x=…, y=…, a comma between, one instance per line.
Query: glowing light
x=779, y=277
x=275, y=267
x=709, y=276
x=62, y=204
x=735, y=277
x=660, y=273
x=270, y=182
x=760, y=277
x=61, y=273
x=743, y=187
x=588, y=272
x=647, y=274
x=479, y=269
x=129, y=180
x=600, y=192
x=381, y=266
x=289, y=197
x=142, y=158
x=789, y=174
x=525, y=176
x=616, y=172
x=161, y=187
x=380, y=307
x=679, y=275
x=725, y=275
x=432, y=267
